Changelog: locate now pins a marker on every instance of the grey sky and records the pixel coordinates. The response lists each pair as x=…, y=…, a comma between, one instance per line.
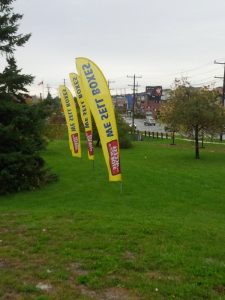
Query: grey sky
x=159, y=40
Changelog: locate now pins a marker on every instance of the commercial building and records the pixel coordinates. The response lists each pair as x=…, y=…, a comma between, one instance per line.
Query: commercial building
x=148, y=101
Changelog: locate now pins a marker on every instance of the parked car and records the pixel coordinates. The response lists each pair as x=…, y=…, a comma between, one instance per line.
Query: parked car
x=149, y=122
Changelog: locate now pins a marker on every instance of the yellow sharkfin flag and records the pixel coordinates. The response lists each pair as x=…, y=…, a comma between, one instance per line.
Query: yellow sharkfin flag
x=84, y=111
x=101, y=106
x=70, y=112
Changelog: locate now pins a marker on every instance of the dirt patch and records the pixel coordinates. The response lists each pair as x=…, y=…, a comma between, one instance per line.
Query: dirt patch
x=214, y=261
x=4, y=264
x=179, y=146
x=87, y=292
x=10, y=296
x=76, y=269
x=117, y=294
x=14, y=214
x=156, y=275
x=113, y=293
x=44, y=286
x=220, y=289
x=4, y=230
x=129, y=256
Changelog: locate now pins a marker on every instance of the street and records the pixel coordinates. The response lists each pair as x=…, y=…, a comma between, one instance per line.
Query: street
x=141, y=127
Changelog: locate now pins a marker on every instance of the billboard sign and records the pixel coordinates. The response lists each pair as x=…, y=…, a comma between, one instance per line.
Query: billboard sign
x=154, y=92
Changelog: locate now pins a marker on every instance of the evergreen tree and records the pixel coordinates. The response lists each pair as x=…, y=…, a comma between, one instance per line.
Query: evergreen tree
x=9, y=37
x=49, y=97
x=12, y=81
x=21, y=125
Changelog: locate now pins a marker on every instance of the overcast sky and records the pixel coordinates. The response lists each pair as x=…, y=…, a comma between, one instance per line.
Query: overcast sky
x=159, y=40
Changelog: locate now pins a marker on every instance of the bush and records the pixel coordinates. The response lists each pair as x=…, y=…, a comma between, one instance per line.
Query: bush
x=56, y=125
x=21, y=171
x=123, y=132
x=55, y=131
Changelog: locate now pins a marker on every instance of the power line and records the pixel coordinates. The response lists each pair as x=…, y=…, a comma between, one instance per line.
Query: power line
x=202, y=73
x=184, y=71
x=203, y=83
x=202, y=80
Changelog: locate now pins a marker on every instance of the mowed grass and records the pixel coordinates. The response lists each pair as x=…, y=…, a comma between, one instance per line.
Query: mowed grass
x=162, y=237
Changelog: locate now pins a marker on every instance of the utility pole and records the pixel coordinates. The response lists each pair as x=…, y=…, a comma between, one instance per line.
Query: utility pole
x=48, y=93
x=48, y=88
x=223, y=95
x=223, y=63
x=134, y=96
x=64, y=82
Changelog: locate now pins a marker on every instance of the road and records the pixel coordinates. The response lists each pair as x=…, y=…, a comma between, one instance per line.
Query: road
x=140, y=125
x=157, y=128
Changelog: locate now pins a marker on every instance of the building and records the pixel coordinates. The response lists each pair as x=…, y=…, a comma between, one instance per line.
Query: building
x=148, y=101
x=120, y=103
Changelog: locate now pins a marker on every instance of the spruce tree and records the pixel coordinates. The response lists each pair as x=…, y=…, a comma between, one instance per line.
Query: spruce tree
x=21, y=125
x=11, y=79
x=9, y=36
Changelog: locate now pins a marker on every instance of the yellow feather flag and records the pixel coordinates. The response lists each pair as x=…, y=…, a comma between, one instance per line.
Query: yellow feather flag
x=101, y=106
x=84, y=111
x=70, y=112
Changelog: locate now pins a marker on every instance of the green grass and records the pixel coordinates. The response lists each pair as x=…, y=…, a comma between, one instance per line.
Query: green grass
x=163, y=237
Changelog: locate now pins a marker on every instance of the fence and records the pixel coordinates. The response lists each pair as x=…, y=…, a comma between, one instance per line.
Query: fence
x=152, y=134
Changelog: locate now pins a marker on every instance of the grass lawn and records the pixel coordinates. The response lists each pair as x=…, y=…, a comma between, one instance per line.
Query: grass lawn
x=163, y=237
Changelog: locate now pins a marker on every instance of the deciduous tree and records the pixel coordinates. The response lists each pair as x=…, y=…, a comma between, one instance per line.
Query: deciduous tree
x=193, y=111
